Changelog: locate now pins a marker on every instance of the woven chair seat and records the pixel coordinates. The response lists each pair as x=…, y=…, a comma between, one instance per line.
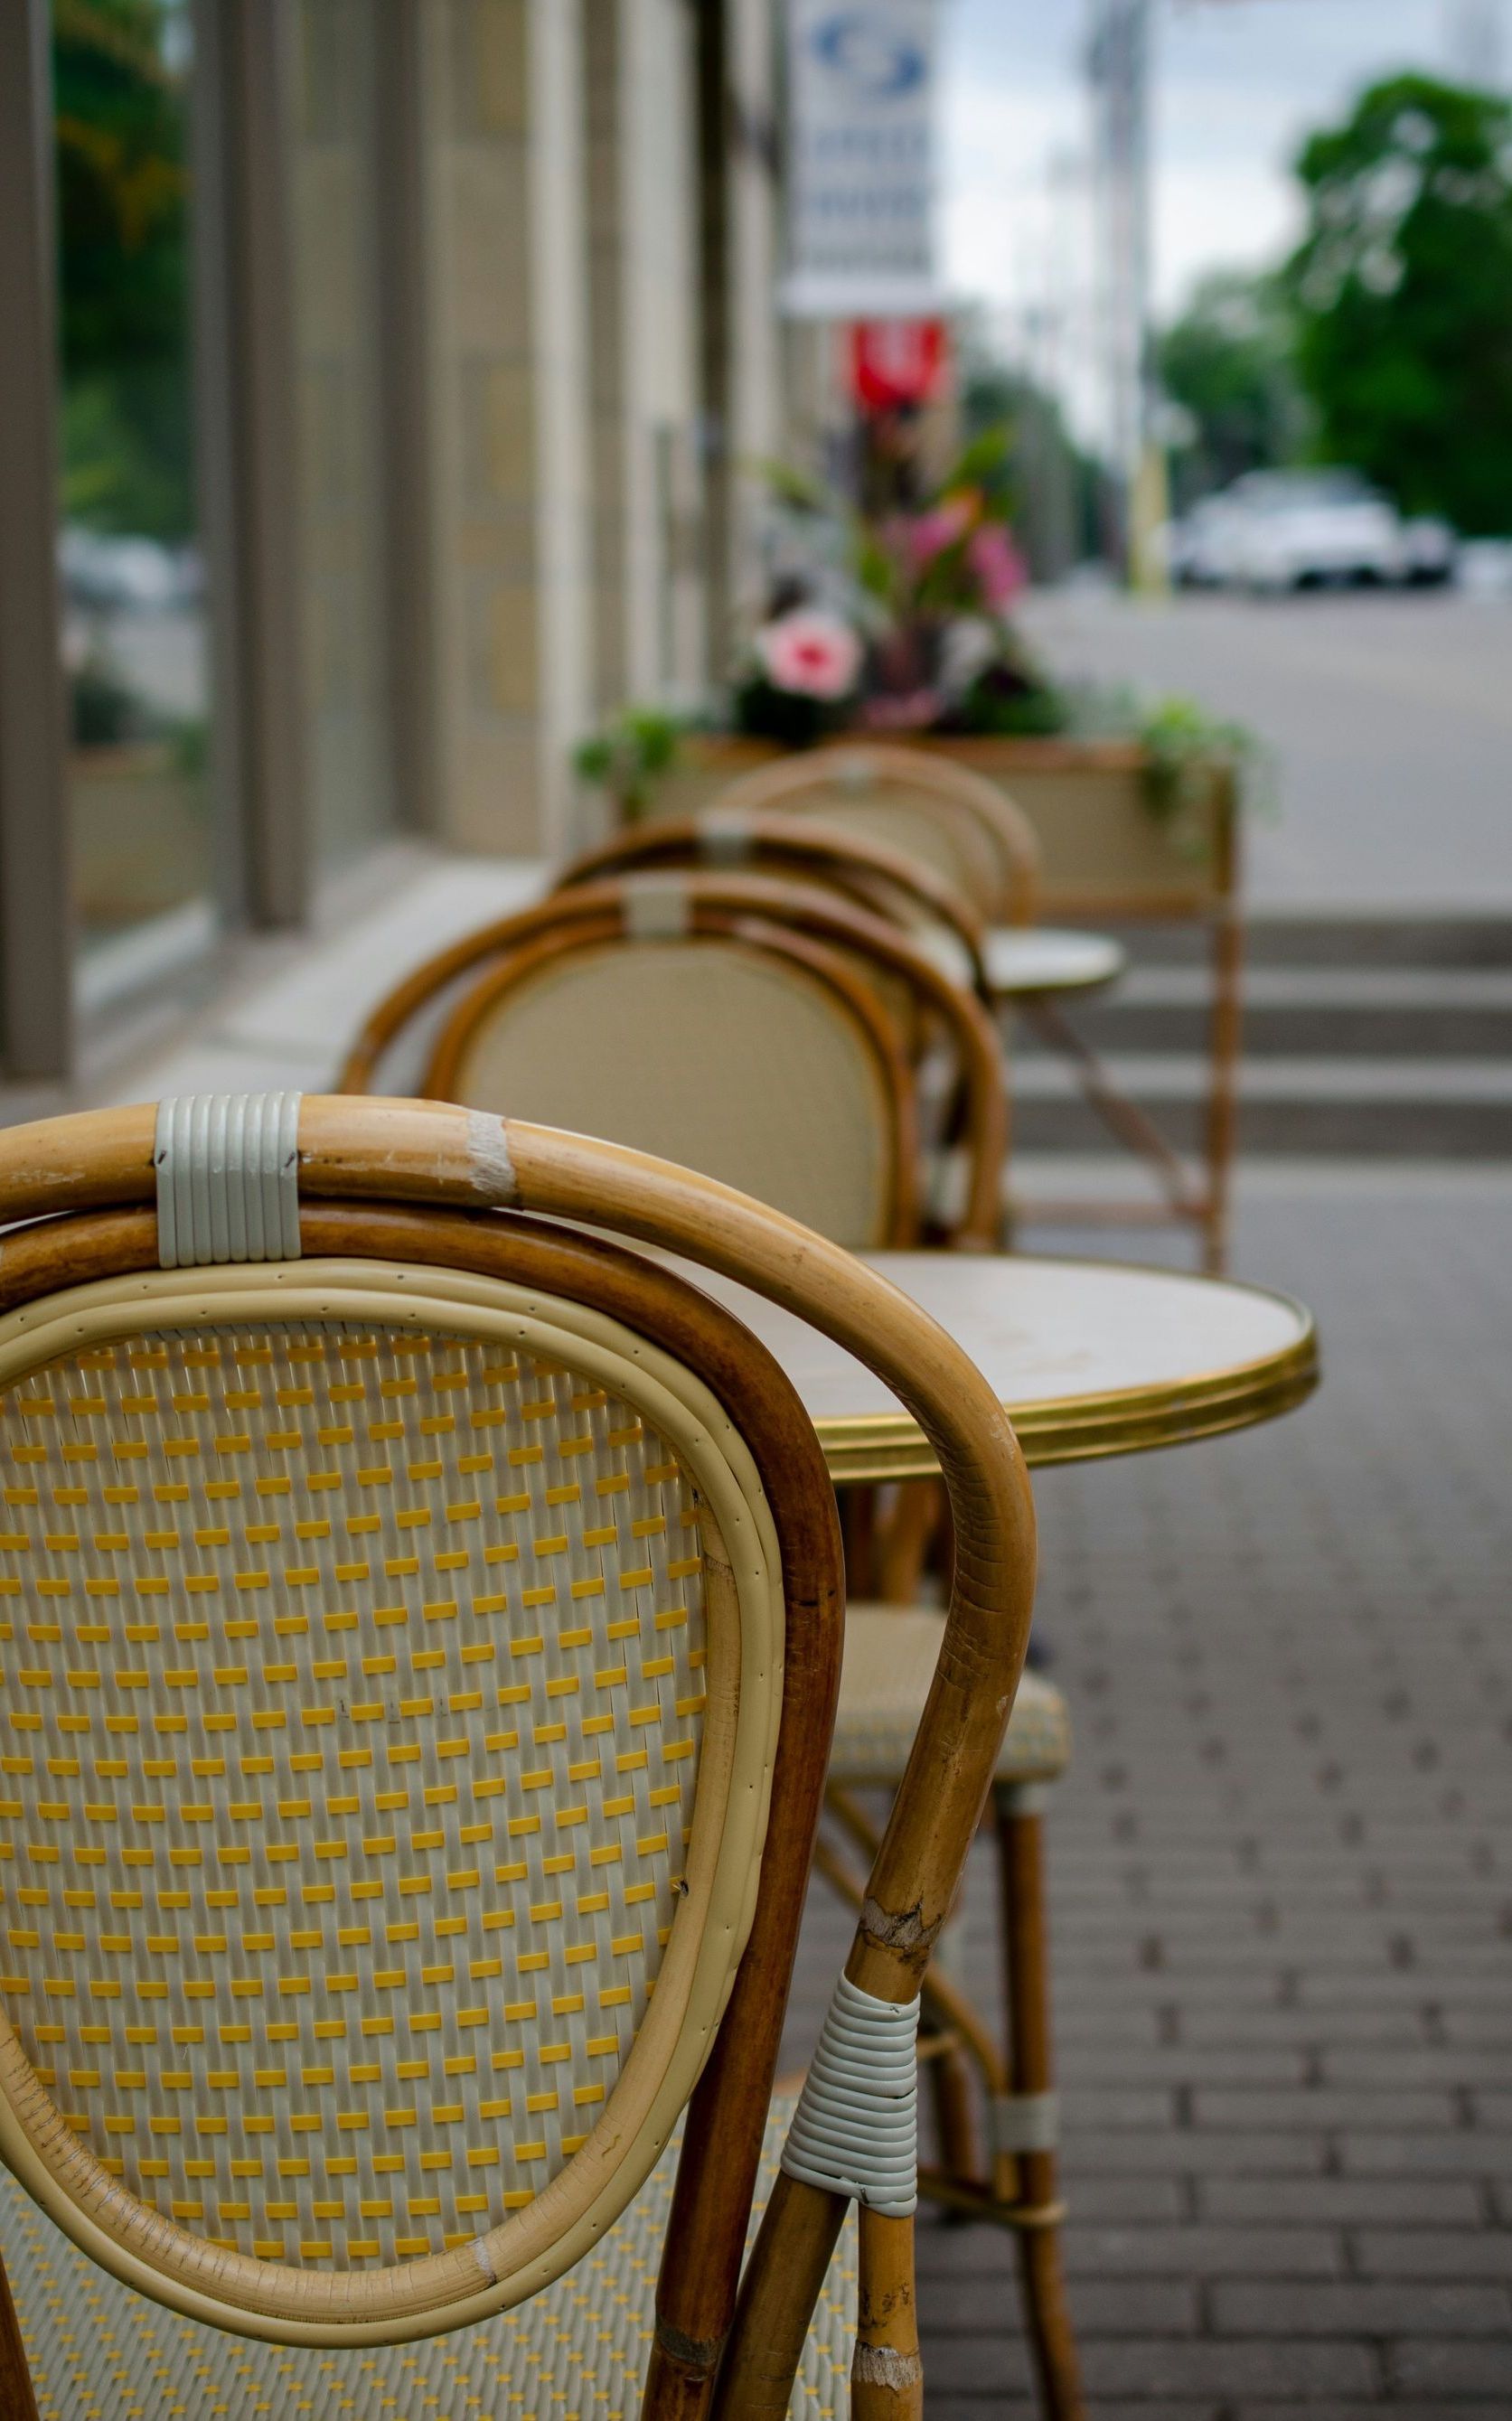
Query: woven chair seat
x=577, y=2352
x=890, y=1656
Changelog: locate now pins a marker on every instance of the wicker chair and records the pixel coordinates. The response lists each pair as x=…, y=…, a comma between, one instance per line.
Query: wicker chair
x=415, y=1608
x=891, y=885
x=757, y=1029
x=888, y=1541
x=948, y=818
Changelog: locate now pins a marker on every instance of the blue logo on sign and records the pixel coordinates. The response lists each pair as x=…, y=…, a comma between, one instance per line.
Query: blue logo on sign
x=884, y=65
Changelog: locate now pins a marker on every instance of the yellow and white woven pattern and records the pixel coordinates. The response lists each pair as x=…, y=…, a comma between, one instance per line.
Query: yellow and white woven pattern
x=350, y=1696
x=577, y=2352
x=890, y=1655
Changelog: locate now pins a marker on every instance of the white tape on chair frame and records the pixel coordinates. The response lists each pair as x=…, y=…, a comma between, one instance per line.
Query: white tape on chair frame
x=855, y=2131
x=726, y=836
x=1024, y=2122
x=856, y=773
x=656, y=907
x=227, y=1168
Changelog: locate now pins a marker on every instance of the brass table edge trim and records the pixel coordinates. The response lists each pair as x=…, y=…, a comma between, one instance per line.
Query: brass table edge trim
x=876, y=1447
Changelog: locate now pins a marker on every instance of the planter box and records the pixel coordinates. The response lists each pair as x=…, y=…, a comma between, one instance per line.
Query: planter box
x=142, y=834
x=1106, y=852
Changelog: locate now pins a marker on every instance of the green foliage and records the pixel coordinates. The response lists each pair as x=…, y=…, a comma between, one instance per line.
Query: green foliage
x=123, y=184
x=1184, y=746
x=630, y=754
x=1402, y=290
x=1227, y=363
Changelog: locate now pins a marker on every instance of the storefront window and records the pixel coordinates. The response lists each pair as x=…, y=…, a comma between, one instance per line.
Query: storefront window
x=134, y=635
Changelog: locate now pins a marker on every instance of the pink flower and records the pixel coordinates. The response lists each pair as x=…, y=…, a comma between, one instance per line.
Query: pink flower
x=929, y=534
x=998, y=565
x=811, y=655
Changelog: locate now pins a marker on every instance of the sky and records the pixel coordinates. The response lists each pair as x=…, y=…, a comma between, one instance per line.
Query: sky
x=1238, y=83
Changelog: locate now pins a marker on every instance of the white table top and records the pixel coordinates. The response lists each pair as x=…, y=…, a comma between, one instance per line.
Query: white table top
x=1091, y=1358
x=1025, y=959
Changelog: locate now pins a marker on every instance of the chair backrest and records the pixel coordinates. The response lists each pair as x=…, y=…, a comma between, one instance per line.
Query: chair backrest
x=951, y=819
x=666, y=1008
x=408, y=1626
x=900, y=888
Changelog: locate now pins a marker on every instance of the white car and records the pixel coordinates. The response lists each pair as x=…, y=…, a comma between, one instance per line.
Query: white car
x=1430, y=553
x=1199, y=546
x=1311, y=529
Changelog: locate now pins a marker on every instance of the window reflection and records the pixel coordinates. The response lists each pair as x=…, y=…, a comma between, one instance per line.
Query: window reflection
x=134, y=630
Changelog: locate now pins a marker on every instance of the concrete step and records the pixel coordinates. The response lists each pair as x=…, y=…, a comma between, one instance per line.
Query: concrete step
x=1336, y=942
x=1407, y=1106
x=1381, y=1011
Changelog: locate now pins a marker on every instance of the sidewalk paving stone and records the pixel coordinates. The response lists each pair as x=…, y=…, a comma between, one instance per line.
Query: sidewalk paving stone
x=1281, y=1871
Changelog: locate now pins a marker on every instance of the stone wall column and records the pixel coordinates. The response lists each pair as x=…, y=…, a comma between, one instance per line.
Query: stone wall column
x=508, y=310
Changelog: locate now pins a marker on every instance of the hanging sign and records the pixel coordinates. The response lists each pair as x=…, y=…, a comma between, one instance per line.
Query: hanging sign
x=897, y=362
x=862, y=92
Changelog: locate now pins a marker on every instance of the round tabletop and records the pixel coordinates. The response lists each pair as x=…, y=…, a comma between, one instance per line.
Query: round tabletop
x=1021, y=960
x=1090, y=1358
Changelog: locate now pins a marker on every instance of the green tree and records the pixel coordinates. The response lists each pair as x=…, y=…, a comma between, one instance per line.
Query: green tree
x=1402, y=289
x=1227, y=364
x=122, y=132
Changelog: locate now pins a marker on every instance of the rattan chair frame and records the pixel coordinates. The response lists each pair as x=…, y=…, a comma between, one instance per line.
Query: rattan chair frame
x=788, y=919
x=997, y=850
x=373, y=1176
x=206, y=2279
x=868, y=873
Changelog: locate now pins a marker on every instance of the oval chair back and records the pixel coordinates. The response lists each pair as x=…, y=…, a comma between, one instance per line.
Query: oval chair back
x=413, y=1610
x=603, y=991
x=948, y=818
x=898, y=887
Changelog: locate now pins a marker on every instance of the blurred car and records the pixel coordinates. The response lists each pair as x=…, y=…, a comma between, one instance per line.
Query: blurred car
x=1281, y=530
x=1430, y=552
x=1312, y=529
x=126, y=575
x=1197, y=546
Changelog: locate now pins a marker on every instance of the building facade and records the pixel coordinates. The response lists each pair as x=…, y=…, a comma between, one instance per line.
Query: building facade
x=378, y=384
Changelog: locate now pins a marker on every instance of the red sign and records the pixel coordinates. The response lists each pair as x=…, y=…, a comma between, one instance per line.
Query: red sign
x=896, y=362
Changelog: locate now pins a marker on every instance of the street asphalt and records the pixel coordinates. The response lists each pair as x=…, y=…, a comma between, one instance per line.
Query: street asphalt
x=1389, y=718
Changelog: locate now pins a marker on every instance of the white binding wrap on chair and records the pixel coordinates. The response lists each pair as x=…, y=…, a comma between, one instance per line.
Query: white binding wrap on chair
x=656, y=907
x=726, y=836
x=1024, y=2122
x=228, y=1169
x=855, y=2131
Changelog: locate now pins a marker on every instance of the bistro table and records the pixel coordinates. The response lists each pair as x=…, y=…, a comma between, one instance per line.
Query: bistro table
x=1030, y=961
x=1090, y=1358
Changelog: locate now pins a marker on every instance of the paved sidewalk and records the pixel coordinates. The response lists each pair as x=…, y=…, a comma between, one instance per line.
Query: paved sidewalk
x=1283, y=1869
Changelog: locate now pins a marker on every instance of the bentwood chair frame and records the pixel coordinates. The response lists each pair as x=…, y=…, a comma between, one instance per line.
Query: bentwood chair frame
x=868, y=873
x=381, y=1196
x=804, y=784
x=746, y=910
x=965, y=827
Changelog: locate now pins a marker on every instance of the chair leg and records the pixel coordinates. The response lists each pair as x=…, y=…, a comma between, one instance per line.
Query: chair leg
x=1024, y=2122
x=17, y=2400
x=951, y=2093
x=886, y=2377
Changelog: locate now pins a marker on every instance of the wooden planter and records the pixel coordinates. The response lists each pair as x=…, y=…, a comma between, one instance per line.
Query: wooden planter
x=1108, y=852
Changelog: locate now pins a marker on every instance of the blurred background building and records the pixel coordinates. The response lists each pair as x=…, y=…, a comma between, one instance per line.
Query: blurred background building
x=390, y=392
x=391, y=368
